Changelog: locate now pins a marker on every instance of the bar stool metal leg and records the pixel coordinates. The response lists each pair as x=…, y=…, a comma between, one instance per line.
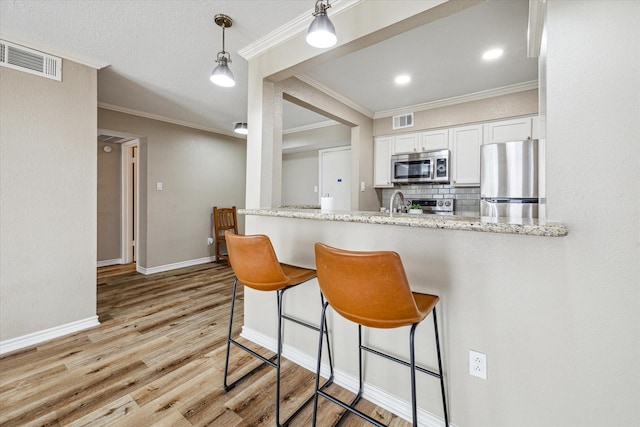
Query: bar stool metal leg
x=275, y=360
x=230, y=341
x=444, y=396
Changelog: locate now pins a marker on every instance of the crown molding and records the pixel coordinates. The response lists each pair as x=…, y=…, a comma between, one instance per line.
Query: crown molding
x=166, y=119
x=476, y=96
x=322, y=88
x=537, y=13
x=310, y=126
x=62, y=53
x=290, y=30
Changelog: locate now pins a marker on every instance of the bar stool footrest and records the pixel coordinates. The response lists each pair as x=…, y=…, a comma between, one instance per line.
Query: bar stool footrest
x=400, y=361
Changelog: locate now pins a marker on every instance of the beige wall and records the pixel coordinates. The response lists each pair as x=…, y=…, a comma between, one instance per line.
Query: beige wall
x=299, y=176
x=48, y=200
x=109, y=202
x=198, y=170
x=499, y=107
x=557, y=317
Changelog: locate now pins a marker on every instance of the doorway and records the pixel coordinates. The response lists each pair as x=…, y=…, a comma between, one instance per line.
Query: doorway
x=335, y=176
x=130, y=198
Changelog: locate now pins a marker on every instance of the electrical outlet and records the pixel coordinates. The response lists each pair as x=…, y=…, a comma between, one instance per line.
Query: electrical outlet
x=478, y=364
x=210, y=241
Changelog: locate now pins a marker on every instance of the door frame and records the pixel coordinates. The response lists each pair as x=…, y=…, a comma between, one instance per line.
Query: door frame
x=326, y=150
x=129, y=219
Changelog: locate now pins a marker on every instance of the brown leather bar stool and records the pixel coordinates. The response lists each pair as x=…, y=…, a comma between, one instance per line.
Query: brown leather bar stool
x=256, y=266
x=371, y=289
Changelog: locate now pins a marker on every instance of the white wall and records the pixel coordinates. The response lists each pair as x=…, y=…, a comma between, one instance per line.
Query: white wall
x=48, y=200
x=557, y=317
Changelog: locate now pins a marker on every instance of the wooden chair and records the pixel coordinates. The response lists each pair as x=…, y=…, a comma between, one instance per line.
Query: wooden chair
x=371, y=290
x=224, y=219
x=256, y=266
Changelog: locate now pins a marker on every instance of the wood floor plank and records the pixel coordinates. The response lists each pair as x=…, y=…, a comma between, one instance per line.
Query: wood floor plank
x=108, y=414
x=157, y=359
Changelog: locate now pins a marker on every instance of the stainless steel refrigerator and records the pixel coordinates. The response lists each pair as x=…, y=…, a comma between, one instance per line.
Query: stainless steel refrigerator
x=509, y=179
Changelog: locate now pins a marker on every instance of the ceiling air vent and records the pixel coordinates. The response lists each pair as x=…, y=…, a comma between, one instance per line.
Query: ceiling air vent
x=30, y=61
x=403, y=121
x=112, y=138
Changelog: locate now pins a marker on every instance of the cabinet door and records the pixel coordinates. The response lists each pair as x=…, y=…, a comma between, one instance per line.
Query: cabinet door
x=435, y=140
x=382, y=162
x=465, y=155
x=508, y=130
x=409, y=143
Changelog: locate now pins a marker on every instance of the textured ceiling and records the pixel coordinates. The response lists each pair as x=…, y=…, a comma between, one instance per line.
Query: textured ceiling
x=161, y=53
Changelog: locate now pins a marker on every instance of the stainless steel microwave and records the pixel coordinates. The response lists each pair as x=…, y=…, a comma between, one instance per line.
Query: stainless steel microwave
x=425, y=167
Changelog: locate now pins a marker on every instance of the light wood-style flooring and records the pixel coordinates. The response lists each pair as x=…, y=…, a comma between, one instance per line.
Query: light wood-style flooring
x=157, y=358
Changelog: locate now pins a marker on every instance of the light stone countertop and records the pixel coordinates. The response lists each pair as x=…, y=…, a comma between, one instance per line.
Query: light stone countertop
x=445, y=222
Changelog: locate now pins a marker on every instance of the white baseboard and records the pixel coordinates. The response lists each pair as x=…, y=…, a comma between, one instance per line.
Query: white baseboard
x=108, y=262
x=47, y=334
x=174, y=266
x=374, y=394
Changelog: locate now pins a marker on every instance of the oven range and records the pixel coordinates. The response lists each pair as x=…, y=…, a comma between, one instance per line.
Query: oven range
x=434, y=206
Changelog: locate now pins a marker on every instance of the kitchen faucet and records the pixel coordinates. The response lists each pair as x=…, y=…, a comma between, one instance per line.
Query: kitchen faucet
x=393, y=198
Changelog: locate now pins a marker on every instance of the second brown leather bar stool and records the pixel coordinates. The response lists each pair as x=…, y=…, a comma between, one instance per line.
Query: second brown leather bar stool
x=255, y=265
x=371, y=289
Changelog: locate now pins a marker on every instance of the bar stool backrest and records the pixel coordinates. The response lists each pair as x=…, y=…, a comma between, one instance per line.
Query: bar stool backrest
x=369, y=288
x=254, y=262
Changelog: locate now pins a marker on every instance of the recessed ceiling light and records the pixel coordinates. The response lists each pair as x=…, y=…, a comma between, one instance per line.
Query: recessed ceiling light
x=492, y=54
x=403, y=79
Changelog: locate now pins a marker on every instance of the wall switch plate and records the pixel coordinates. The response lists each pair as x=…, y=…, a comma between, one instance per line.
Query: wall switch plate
x=210, y=241
x=478, y=364
x=362, y=186
x=315, y=188
x=158, y=186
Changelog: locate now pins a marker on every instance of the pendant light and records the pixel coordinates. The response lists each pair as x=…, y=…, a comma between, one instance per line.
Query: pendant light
x=321, y=32
x=222, y=75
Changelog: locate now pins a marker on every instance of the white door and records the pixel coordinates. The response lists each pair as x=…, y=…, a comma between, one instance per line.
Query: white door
x=335, y=176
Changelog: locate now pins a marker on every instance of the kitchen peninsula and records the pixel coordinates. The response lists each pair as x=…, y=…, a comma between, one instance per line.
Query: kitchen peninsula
x=458, y=258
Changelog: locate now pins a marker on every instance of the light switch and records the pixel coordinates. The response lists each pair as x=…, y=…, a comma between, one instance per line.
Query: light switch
x=362, y=186
x=158, y=186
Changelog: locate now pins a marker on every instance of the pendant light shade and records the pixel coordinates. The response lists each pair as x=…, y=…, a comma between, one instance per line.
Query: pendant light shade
x=222, y=75
x=241, y=128
x=321, y=32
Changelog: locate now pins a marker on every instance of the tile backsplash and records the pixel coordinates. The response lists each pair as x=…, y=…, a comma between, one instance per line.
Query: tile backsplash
x=467, y=198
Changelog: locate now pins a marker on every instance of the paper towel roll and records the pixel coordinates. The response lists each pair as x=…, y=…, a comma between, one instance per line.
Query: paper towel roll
x=326, y=203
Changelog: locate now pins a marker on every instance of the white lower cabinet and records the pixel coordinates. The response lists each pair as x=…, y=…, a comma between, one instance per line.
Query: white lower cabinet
x=382, y=161
x=465, y=155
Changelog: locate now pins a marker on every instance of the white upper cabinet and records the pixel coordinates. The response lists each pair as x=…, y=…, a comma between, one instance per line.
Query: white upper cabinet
x=465, y=155
x=463, y=141
x=435, y=140
x=406, y=143
x=382, y=161
x=508, y=130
